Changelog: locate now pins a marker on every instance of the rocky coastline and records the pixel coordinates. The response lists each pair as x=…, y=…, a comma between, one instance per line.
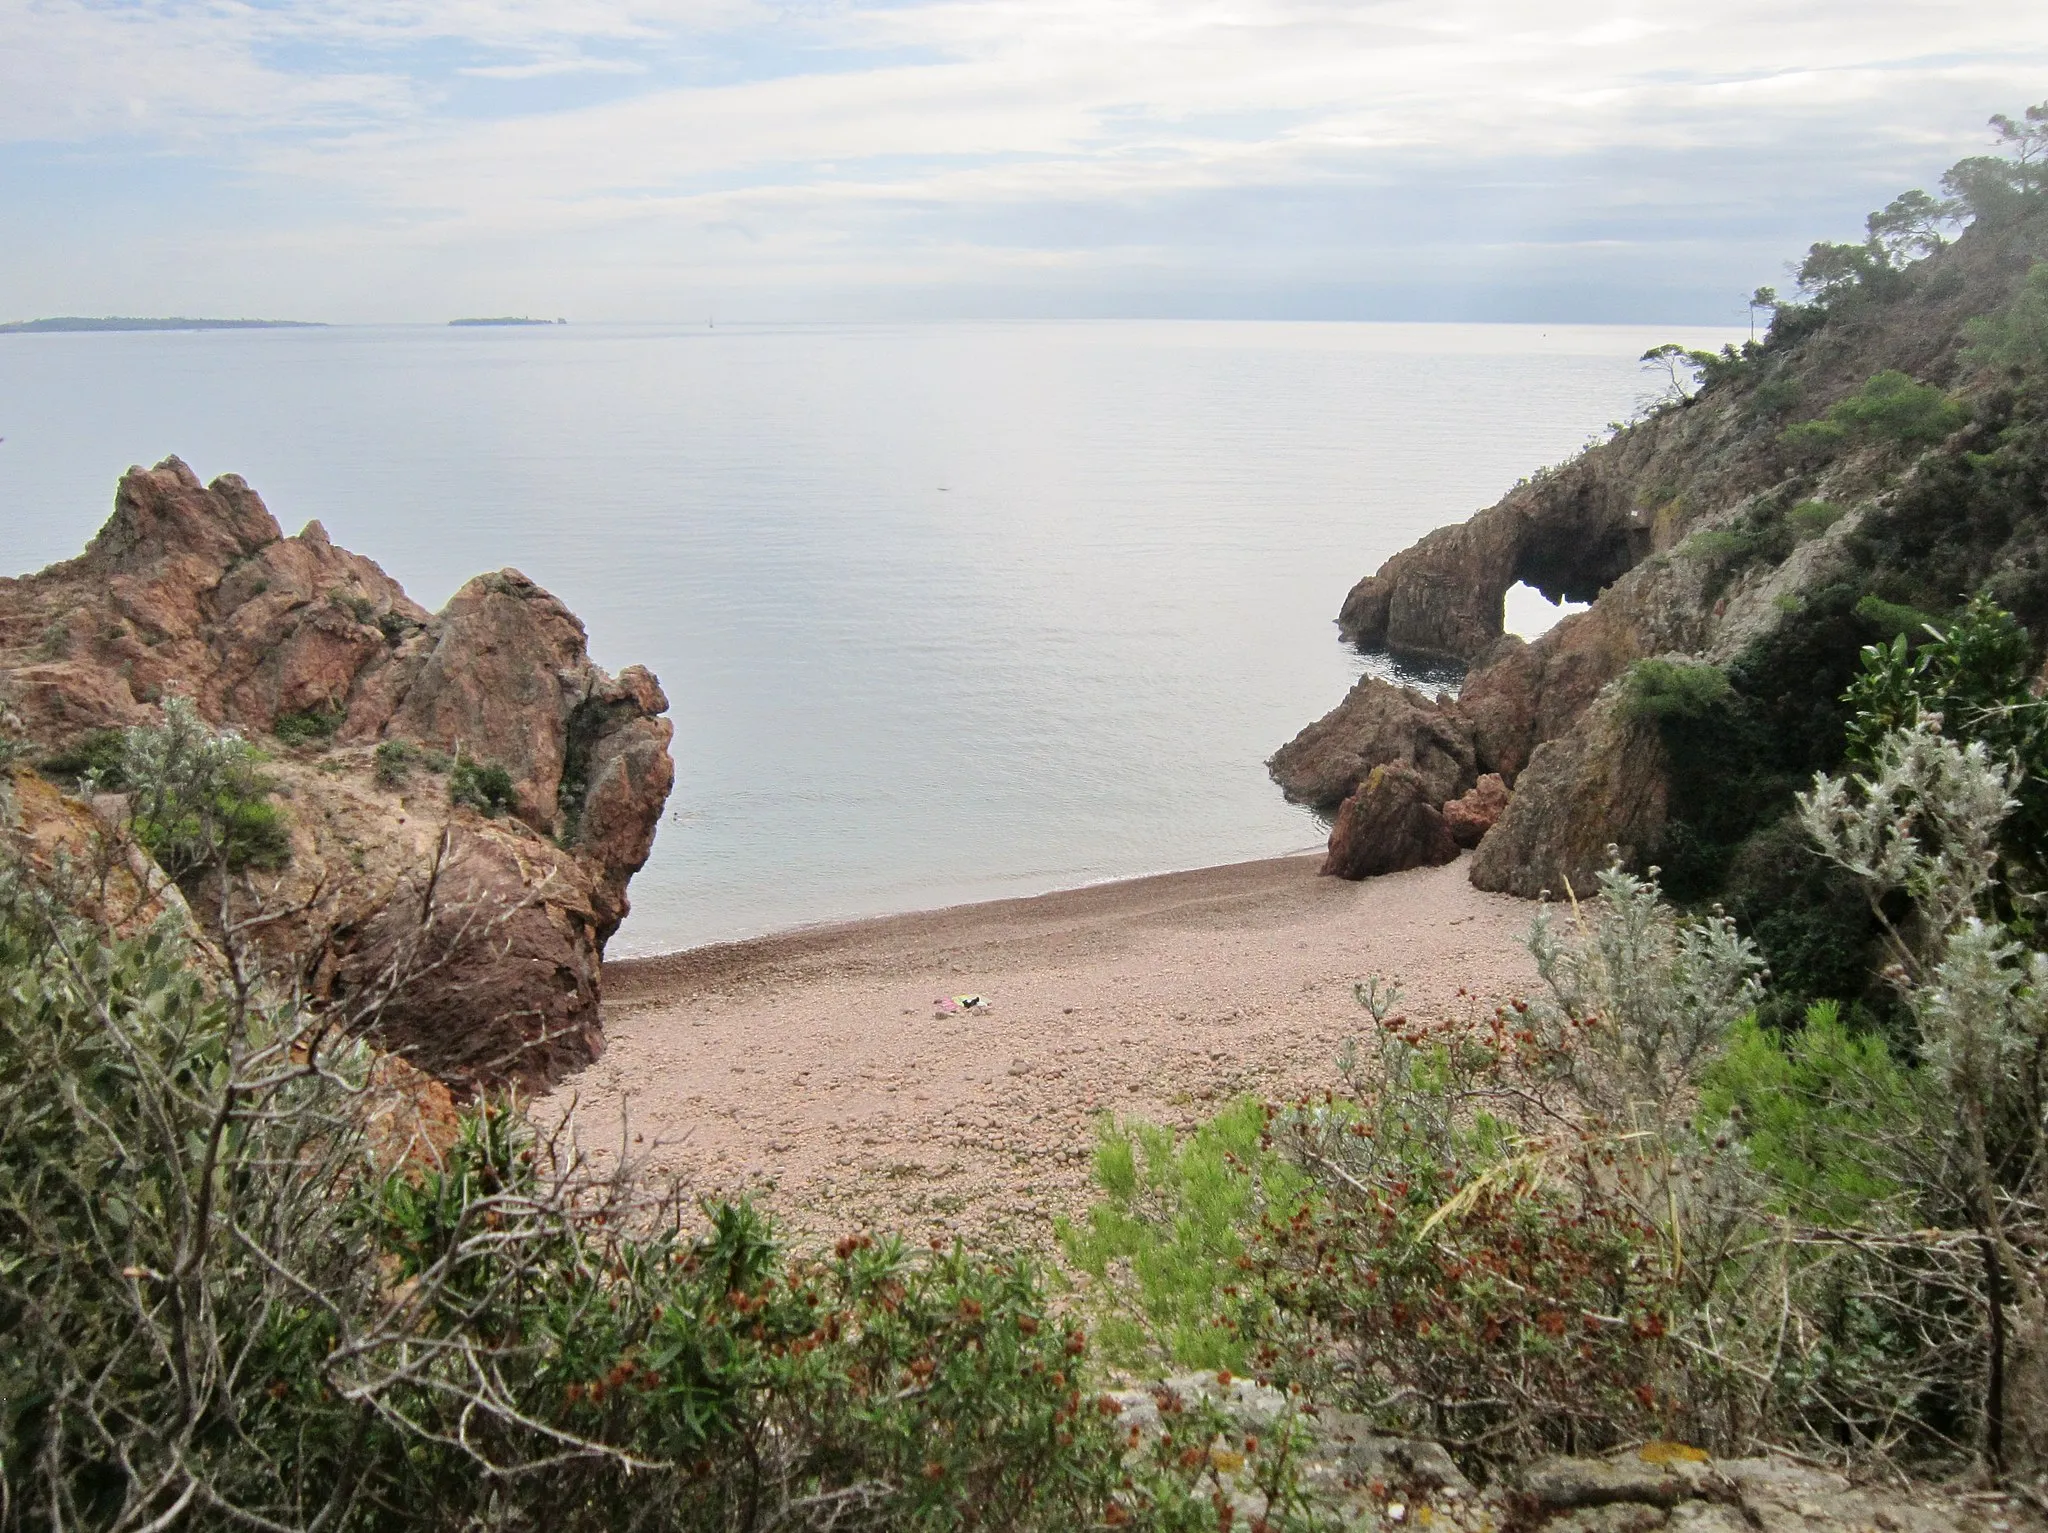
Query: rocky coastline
x=372, y=713
x=1658, y=528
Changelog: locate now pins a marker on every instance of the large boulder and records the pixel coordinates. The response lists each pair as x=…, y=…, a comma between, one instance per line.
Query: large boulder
x=1388, y=825
x=1603, y=784
x=192, y=590
x=1377, y=724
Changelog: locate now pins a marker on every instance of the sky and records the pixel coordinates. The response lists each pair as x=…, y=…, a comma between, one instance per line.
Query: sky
x=1551, y=160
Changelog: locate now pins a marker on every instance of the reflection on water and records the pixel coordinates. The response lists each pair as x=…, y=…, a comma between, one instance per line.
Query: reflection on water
x=1429, y=677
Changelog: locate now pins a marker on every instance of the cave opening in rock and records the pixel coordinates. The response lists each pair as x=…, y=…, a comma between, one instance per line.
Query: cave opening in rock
x=1529, y=612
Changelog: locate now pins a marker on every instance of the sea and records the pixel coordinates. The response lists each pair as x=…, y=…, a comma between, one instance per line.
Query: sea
x=945, y=612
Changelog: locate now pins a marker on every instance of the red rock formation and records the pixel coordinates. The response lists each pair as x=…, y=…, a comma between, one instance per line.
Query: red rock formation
x=1376, y=723
x=1469, y=818
x=1389, y=824
x=191, y=589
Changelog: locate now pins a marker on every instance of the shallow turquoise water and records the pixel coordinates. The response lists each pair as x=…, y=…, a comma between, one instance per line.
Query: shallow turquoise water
x=945, y=612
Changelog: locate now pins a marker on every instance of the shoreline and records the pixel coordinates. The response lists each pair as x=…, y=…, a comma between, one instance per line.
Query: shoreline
x=655, y=970
x=812, y=1070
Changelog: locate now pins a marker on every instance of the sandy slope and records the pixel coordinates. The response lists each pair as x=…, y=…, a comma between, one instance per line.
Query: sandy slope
x=811, y=1066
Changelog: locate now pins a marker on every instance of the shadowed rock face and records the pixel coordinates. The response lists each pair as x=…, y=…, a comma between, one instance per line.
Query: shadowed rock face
x=1603, y=783
x=192, y=589
x=1390, y=824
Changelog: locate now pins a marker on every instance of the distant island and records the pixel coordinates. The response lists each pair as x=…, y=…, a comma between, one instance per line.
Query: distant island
x=125, y=322
x=508, y=320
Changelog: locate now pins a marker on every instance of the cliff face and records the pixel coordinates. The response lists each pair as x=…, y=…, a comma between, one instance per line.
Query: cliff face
x=192, y=590
x=1680, y=531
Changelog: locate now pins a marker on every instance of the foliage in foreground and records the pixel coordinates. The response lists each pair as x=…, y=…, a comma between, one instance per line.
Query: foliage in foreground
x=242, y=1287
x=1622, y=1209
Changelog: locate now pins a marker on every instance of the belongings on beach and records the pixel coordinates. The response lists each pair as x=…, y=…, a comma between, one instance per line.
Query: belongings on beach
x=953, y=1005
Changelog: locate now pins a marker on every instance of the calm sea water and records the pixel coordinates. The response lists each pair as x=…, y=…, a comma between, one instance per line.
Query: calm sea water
x=945, y=612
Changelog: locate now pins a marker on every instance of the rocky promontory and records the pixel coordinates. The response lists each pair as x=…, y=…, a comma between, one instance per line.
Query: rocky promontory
x=466, y=794
x=1826, y=488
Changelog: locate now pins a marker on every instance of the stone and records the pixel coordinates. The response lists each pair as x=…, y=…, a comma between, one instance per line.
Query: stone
x=1562, y=1484
x=1602, y=785
x=493, y=979
x=499, y=685
x=1387, y=826
x=1469, y=818
x=1622, y=1517
x=1377, y=724
x=1705, y=1517
x=191, y=589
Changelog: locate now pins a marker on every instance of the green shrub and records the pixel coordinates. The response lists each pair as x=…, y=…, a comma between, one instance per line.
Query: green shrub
x=393, y=760
x=197, y=799
x=1821, y=1110
x=1895, y=620
x=96, y=757
x=2015, y=340
x=486, y=789
x=1165, y=1240
x=225, y=1307
x=1668, y=690
x=1810, y=518
x=1890, y=407
x=309, y=726
x=1775, y=397
x=1763, y=534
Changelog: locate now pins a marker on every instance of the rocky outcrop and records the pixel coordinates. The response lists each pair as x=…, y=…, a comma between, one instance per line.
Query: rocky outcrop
x=1377, y=724
x=1469, y=818
x=1391, y=823
x=193, y=590
x=1601, y=785
x=1569, y=535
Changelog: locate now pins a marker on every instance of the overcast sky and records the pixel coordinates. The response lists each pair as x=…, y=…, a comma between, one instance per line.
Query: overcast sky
x=663, y=159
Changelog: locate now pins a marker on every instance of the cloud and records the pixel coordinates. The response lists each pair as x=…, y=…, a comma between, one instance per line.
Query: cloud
x=976, y=142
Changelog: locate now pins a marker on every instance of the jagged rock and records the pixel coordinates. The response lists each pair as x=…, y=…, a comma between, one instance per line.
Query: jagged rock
x=1615, y=524
x=1376, y=724
x=1602, y=784
x=192, y=589
x=1388, y=825
x=1468, y=819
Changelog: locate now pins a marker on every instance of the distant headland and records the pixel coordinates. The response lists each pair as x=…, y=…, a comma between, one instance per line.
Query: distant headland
x=125, y=322
x=508, y=320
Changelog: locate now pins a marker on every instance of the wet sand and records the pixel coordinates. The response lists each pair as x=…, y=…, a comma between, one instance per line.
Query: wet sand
x=813, y=1069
